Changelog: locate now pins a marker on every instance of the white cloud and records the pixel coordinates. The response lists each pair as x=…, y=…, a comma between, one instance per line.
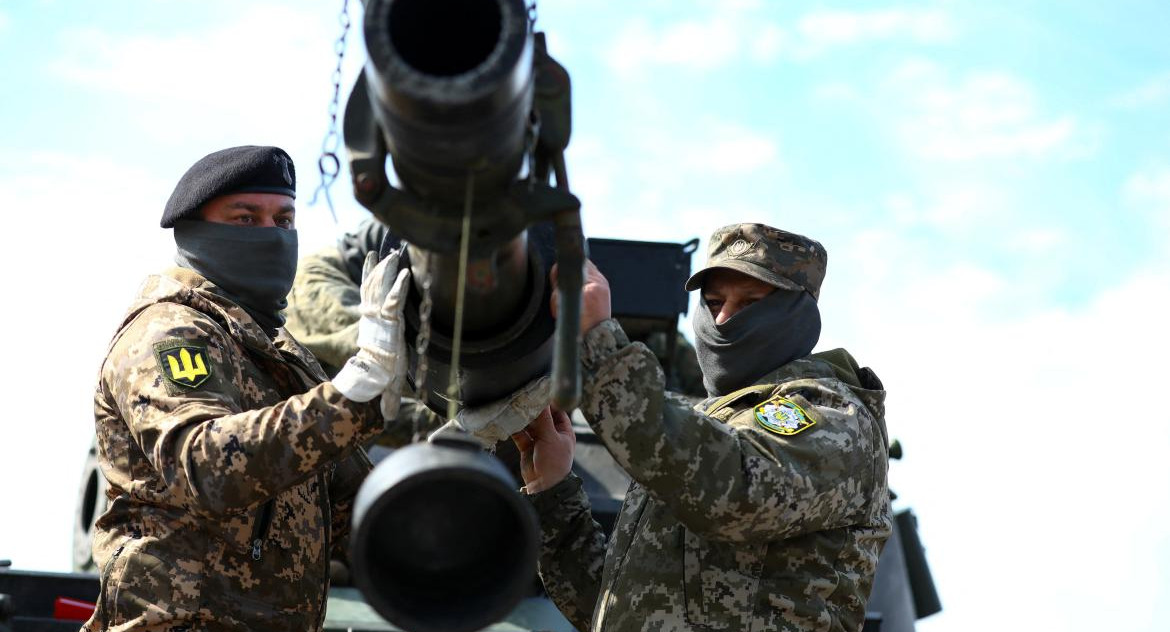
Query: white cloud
x=769, y=42
x=749, y=30
x=81, y=232
x=728, y=150
x=982, y=115
x=1155, y=91
x=1149, y=192
x=694, y=44
x=836, y=91
x=663, y=187
x=178, y=82
x=1038, y=240
x=949, y=206
x=1039, y=422
x=822, y=30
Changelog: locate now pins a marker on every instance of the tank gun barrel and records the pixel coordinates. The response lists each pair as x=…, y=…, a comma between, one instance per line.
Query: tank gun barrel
x=461, y=95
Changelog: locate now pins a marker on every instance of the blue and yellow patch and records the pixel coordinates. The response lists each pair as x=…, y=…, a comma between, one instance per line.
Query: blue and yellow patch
x=782, y=416
x=183, y=362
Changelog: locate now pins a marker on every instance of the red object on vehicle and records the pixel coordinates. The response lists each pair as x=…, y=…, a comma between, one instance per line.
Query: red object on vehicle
x=72, y=609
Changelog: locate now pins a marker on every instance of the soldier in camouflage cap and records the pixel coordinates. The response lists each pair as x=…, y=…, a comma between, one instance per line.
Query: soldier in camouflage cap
x=232, y=463
x=779, y=258
x=764, y=507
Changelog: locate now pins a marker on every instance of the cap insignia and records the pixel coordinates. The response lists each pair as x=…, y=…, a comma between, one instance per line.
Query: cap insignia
x=282, y=162
x=739, y=248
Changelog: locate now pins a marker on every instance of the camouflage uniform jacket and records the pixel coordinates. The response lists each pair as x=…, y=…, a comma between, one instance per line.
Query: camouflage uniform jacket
x=323, y=315
x=323, y=308
x=727, y=525
x=232, y=468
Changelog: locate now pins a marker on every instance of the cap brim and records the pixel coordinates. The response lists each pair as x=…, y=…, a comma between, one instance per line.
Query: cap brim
x=750, y=269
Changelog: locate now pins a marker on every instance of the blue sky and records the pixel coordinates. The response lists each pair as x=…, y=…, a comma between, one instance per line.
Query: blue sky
x=992, y=183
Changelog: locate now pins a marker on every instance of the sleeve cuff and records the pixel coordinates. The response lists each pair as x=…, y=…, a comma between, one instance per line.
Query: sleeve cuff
x=602, y=341
x=548, y=500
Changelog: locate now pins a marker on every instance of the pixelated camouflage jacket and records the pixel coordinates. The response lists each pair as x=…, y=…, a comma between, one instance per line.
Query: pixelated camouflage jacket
x=232, y=468
x=728, y=524
x=323, y=313
x=685, y=376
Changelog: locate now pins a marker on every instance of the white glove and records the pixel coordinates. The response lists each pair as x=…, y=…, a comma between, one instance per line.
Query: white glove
x=497, y=421
x=379, y=366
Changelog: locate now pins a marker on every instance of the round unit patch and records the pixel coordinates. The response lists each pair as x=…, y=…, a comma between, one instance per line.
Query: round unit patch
x=782, y=416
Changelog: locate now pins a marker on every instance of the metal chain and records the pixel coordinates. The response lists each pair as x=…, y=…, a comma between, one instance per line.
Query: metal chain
x=423, y=342
x=532, y=14
x=329, y=165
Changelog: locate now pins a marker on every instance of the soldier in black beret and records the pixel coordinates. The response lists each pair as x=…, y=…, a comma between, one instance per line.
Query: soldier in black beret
x=232, y=459
x=220, y=195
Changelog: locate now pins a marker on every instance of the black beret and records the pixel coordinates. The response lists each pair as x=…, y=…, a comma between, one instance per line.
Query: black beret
x=247, y=169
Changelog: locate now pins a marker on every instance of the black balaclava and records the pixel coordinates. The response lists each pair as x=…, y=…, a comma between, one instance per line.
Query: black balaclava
x=775, y=330
x=253, y=267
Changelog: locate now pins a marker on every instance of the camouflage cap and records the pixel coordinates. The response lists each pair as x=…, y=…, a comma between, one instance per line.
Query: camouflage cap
x=780, y=258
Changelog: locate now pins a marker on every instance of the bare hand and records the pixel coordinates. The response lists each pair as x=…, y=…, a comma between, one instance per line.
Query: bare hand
x=595, y=306
x=546, y=450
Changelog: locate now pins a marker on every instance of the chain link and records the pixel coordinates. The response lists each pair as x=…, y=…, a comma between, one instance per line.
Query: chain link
x=532, y=14
x=423, y=342
x=329, y=165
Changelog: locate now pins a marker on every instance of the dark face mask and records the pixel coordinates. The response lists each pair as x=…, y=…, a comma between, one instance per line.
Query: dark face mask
x=253, y=267
x=775, y=330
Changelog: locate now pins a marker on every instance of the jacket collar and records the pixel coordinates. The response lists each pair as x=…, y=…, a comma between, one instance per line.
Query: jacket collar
x=187, y=287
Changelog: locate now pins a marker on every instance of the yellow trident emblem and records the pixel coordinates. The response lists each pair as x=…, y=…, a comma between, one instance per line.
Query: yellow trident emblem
x=185, y=365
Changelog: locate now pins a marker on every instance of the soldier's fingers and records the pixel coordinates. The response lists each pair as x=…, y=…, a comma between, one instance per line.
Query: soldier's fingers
x=561, y=421
x=591, y=270
x=541, y=428
x=523, y=442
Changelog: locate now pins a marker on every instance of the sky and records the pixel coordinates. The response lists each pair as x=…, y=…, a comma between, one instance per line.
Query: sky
x=991, y=181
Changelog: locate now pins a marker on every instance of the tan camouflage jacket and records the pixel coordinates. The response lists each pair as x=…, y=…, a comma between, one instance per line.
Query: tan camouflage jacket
x=768, y=512
x=232, y=469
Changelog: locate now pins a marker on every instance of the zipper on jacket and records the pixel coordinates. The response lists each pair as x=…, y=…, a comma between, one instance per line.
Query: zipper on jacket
x=103, y=599
x=601, y=611
x=327, y=552
x=260, y=531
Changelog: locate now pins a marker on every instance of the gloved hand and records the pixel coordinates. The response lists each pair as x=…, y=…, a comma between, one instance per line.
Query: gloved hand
x=379, y=366
x=495, y=422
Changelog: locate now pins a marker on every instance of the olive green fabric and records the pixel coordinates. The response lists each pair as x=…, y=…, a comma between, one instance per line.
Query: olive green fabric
x=323, y=313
